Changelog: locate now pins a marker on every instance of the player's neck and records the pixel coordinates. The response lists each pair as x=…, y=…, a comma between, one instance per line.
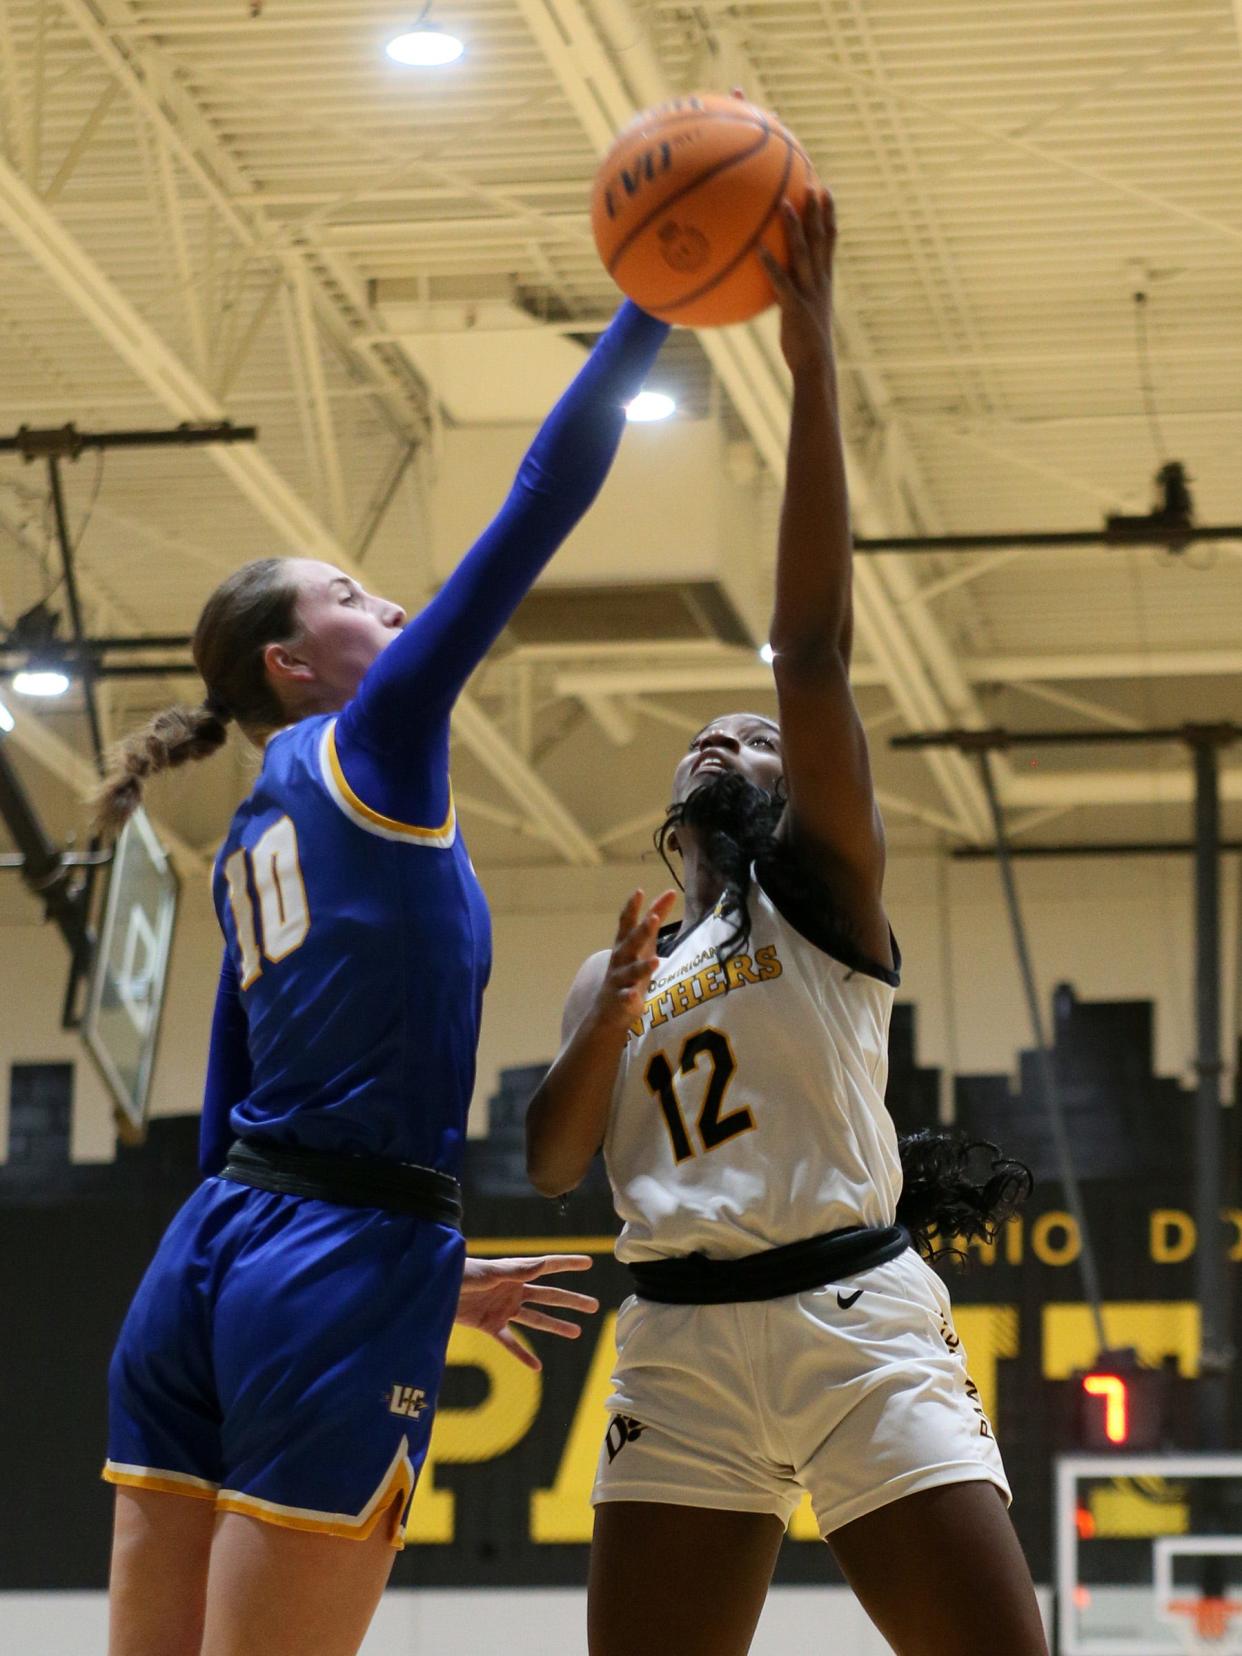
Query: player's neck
x=703, y=883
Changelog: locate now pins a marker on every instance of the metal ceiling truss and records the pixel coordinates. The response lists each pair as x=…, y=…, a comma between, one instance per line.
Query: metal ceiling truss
x=48, y=750
x=744, y=362
x=631, y=673
x=322, y=288
x=991, y=138
x=651, y=674
x=607, y=69
x=147, y=355
x=601, y=56
x=179, y=127
x=930, y=257
x=55, y=756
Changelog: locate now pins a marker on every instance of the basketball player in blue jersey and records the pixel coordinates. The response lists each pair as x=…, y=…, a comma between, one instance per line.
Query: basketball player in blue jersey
x=784, y=1337
x=274, y=1385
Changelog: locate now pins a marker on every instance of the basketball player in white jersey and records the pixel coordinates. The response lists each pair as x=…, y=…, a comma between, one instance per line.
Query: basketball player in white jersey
x=785, y=1336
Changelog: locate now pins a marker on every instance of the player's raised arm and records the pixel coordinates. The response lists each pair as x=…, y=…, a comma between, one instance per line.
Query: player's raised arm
x=568, y=1116
x=423, y=672
x=832, y=818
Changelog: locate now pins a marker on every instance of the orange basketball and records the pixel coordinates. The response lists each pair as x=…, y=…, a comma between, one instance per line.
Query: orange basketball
x=685, y=198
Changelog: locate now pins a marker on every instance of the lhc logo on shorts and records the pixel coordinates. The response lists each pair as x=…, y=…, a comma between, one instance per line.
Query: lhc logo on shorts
x=407, y=1400
x=622, y=1429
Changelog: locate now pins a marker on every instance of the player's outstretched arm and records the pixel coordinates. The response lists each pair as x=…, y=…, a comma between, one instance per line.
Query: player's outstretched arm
x=832, y=817
x=420, y=675
x=567, y=1118
x=497, y=1294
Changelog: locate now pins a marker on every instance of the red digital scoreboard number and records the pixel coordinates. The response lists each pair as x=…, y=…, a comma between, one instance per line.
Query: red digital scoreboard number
x=1113, y=1392
x=1121, y=1405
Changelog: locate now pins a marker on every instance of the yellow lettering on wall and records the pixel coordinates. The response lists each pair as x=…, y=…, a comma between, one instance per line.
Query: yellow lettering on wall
x=1155, y=1328
x=502, y=1419
x=988, y=1333
x=1055, y=1239
x=563, y=1513
x=1175, y=1236
x=983, y=1250
x=1171, y=1236
x=1010, y=1236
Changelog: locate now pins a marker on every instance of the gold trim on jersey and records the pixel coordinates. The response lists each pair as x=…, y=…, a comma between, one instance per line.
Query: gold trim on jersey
x=398, y=1479
x=152, y=1477
x=373, y=821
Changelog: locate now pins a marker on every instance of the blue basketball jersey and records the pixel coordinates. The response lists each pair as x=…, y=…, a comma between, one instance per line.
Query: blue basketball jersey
x=357, y=938
x=283, y=1355
x=362, y=947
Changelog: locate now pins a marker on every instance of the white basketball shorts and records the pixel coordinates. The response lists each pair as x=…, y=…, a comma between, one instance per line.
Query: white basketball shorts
x=856, y=1392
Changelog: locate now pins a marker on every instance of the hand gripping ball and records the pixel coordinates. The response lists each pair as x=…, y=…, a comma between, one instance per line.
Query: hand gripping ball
x=684, y=199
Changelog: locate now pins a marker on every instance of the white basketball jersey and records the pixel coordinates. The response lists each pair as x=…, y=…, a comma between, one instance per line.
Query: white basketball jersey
x=749, y=1105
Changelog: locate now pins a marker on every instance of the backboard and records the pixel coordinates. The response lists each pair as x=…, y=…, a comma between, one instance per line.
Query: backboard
x=1149, y=1554
x=126, y=991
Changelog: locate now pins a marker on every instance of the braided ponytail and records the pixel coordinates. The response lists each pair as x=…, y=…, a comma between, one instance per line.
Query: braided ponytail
x=174, y=736
x=254, y=607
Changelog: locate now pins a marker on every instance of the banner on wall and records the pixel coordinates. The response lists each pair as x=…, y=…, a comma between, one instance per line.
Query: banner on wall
x=504, y=1499
x=505, y=1495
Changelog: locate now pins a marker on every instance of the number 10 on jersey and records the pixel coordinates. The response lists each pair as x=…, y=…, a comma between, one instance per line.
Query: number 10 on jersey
x=283, y=918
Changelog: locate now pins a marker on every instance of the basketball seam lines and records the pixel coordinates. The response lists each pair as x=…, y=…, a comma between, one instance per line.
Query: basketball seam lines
x=703, y=178
x=680, y=119
x=689, y=298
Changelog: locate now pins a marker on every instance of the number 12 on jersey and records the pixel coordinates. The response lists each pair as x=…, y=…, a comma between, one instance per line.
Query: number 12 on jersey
x=283, y=917
x=713, y=1128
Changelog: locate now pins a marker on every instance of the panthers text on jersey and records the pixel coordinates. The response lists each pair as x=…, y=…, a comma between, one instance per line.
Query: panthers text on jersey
x=748, y=1110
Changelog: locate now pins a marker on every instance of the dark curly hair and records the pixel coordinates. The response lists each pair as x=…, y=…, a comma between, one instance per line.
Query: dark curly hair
x=737, y=822
x=955, y=1189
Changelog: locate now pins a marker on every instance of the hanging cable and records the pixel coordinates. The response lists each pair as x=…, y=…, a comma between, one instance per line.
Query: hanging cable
x=1146, y=384
x=952, y=1066
x=1047, y=1072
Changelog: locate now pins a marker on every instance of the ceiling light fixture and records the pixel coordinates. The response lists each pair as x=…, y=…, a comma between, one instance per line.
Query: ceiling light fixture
x=6, y=719
x=38, y=681
x=422, y=48
x=767, y=653
x=650, y=405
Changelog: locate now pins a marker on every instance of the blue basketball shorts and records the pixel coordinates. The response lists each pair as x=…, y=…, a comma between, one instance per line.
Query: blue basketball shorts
x=282, y=1358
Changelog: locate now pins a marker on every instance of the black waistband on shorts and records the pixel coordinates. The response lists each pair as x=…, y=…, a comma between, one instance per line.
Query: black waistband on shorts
x=349, y=1181
x=697, y=1280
